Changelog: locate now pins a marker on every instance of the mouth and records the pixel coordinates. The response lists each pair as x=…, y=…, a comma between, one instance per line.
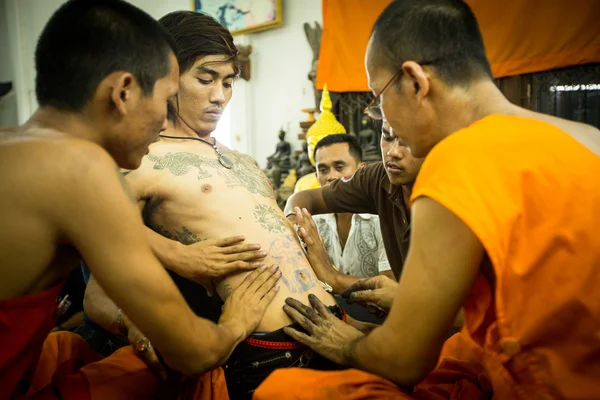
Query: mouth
x=214, y=113
x=394, y=168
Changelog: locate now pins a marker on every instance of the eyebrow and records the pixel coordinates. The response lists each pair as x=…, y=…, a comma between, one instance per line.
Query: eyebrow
x=204, y=69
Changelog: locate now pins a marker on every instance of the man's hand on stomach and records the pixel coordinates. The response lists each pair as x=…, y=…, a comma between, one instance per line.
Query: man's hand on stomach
x=213, y=259
x=246, y=305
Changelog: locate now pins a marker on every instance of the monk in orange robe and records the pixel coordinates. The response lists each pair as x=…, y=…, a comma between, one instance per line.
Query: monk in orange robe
x=505, y=216
x=105, y=71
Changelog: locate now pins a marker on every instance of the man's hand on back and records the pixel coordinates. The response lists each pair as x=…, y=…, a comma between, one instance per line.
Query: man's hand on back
x=213, y=259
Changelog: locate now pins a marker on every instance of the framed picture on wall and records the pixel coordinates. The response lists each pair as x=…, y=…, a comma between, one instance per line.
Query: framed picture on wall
x=242, y=16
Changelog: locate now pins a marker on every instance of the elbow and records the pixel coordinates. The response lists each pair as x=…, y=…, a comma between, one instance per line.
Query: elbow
x=412, y=372
x=206, y=357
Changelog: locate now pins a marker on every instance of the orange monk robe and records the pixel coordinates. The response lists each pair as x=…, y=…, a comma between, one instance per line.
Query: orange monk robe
x=68, y=365
x=531, y=194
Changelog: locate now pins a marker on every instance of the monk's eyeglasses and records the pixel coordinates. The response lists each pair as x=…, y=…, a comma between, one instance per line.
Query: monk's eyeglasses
x=373, y=110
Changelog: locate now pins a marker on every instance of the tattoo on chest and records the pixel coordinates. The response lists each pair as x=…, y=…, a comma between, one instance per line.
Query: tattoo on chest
x=269, y=218
x=245, y=172
x=286, y=251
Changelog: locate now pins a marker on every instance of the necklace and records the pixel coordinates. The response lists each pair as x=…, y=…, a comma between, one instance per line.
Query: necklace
x=223, y=159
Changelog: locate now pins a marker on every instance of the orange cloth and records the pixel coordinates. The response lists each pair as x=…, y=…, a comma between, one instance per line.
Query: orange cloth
x=459, y=376
x=520, y=37
x=67, y=365
x=24, y=325
x=531, y=194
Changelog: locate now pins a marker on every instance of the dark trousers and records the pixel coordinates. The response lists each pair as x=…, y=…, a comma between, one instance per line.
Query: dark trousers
x=259, y=355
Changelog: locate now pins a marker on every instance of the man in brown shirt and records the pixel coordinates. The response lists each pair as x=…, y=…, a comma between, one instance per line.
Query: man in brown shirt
x=382, y=188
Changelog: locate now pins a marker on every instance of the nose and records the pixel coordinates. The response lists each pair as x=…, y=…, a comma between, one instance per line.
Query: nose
x=396, y=150
x=334, y=176
x=165, y=125
x=217, y=95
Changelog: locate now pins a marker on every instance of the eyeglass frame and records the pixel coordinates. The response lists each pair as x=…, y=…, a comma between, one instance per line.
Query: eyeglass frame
x=376, y=98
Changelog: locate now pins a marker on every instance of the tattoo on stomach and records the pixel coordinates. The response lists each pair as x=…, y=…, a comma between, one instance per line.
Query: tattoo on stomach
x=287, y=254
x=270, y=218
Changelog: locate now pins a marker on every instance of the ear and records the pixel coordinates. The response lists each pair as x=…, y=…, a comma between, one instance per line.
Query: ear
x=362, y=165
x=122, y=92
x=418, y=79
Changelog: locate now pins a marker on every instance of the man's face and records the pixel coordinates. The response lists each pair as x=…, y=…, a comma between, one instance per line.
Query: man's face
x=335, y=162
x=204, y=92
x=406, y=116
x=147, y=118
x=400, y=165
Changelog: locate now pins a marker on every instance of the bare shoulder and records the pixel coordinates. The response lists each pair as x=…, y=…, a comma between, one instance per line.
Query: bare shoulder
x=587, y=135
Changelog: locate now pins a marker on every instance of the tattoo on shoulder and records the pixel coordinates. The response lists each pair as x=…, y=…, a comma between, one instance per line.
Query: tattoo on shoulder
x=269, y=218
x=286, y=251
x=245, y=172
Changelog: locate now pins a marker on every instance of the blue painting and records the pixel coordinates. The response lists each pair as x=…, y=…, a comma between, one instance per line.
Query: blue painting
x=242, y=16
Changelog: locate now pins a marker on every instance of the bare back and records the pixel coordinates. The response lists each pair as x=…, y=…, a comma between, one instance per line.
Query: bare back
x=585, y=134
x=34, y=256
x=190, y=197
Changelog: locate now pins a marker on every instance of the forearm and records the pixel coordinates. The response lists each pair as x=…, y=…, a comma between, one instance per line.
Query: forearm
x=312, y=200
x=340, y=282
x=168, y=251
x=371, y=354
x=99, y=307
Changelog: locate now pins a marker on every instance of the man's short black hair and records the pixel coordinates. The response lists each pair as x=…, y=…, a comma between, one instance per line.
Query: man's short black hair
x=86, y=40
x=443, y=33
x=353, y=146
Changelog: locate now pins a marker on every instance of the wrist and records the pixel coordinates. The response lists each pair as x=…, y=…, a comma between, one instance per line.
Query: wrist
x=120, y=323
x=235, y=332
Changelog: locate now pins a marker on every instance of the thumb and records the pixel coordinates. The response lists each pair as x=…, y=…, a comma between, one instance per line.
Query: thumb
x=208, y=285
x=363, y=296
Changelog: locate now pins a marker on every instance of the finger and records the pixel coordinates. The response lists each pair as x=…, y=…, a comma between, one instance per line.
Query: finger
x=262, y=278
x=304, y=310
x=250, y=278
x=309, y=220
x=246, y=256
x=268, y=285
x=237, y=267
x=298, y=336
x=268, y=297
x=305, y=236
x=228, y=241
x=298, y=214
x=299, y=318
x=152, y=361
x=240, y=248
x=319, y=306
x=365, y=284
x=365, y=296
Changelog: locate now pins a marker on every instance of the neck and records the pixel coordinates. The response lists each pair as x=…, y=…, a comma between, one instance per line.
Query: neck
x=406, y=192
x=66, y=122
x=343, y=216
x=463, y=107
x=184, y=129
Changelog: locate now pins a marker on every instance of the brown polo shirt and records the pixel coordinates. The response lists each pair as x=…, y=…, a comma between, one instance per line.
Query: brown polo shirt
x=370, y=191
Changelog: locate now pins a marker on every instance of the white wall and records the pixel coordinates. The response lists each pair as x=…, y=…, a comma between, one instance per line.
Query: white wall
x=8, y=103
x=278, y=89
